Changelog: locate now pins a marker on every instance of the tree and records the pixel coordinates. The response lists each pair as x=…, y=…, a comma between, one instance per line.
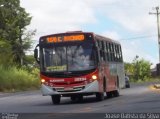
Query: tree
x=129, y=69
x=5, y=53
x=138, y=68
x=141, y=69
x=13, y=22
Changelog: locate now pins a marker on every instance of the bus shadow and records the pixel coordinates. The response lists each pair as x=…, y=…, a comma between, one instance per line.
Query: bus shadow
x=86, y=99
x=68, y=101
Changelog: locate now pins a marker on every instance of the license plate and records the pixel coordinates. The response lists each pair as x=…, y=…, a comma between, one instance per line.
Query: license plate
x=67, y=89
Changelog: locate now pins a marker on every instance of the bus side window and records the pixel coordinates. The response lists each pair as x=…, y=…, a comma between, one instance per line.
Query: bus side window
x=99, y=44
x=117, y=55
x=110, y=52
x=98, y=50
x=107, y=51
x=101, y=55
x=121, y=58
x=101, y=50
x=120, y=53
x=104, y=50
x=102, y=44
x=114, y=53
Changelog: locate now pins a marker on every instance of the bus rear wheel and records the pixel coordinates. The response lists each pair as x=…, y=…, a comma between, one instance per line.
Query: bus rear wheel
x=56, y=99
x=109, y=94
x=116, y=93
x=100, y=96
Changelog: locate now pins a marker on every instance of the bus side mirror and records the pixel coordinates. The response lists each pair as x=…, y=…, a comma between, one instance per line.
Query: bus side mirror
x=36, y=54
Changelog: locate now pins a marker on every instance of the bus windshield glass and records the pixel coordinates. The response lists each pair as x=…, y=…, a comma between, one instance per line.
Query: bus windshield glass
x=69, y=57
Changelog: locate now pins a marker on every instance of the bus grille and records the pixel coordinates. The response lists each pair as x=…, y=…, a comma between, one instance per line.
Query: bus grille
x=74, y=89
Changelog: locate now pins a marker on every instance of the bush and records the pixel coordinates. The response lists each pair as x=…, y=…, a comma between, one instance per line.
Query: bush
x=13, y=79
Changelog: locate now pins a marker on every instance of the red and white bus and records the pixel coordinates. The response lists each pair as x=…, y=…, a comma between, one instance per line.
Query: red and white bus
x=77, y=64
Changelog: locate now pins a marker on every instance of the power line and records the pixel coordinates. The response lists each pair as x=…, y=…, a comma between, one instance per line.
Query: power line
x=138, y=37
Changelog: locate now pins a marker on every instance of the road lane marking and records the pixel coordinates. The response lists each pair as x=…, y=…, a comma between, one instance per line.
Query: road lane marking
x=82, y=110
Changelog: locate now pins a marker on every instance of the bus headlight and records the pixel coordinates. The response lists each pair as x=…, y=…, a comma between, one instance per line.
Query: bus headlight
x=43, y=81
x=94, y=77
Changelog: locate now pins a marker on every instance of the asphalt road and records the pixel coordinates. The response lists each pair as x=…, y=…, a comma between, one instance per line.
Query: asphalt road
x=137, y=99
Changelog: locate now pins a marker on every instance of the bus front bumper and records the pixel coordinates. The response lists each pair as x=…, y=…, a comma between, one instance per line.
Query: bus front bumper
x=89, y=88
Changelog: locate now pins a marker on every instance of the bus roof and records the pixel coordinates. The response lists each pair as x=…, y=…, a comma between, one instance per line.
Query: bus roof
x=106, y=39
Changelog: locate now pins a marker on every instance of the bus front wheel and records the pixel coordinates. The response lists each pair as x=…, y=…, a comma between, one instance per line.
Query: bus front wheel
x=56, y=99
x=73, y=98
x=100, y=96
x=116, y=93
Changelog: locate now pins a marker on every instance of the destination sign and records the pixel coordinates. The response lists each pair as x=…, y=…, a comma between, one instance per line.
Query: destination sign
x=57, y=39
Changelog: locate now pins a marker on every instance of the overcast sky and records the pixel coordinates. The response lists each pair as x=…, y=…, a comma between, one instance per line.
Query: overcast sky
x=127, y=21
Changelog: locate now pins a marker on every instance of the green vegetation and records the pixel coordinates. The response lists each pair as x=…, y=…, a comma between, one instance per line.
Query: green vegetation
x=146, y=80
x=138, y=70
x=13, y=22
x=17, y=70
x=14, y=79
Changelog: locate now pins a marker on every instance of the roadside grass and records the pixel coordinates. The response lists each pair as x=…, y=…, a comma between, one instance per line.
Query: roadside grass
x=145, y=80
x=17, y=79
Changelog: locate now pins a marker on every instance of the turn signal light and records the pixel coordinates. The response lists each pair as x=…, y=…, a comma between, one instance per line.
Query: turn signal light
x=94, y=77
x=42, y=80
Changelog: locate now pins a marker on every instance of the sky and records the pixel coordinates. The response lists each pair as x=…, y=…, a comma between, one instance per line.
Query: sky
x=127, y=21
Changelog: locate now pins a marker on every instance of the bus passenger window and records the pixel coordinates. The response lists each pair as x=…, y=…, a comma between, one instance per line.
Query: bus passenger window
x=105, y=47
x=99, y=44
x=101, y=55
x=108, y=51
x=120, y=53
x=112, y=52
x=116, y=51
x=102, y=45
x=104, y=57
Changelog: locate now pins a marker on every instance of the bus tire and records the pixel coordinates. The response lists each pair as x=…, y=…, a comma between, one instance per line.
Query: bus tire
x=56, y=99
x=116, y=93
x=73, y=98
x=109, y=94
x=80, y=98
x=100, y=96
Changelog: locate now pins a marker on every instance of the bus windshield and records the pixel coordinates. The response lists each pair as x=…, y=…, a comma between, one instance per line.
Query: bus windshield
x=65, y=58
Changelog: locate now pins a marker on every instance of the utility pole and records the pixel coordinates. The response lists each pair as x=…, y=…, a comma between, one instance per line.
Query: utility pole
x=157, y=14
x=137, y=67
